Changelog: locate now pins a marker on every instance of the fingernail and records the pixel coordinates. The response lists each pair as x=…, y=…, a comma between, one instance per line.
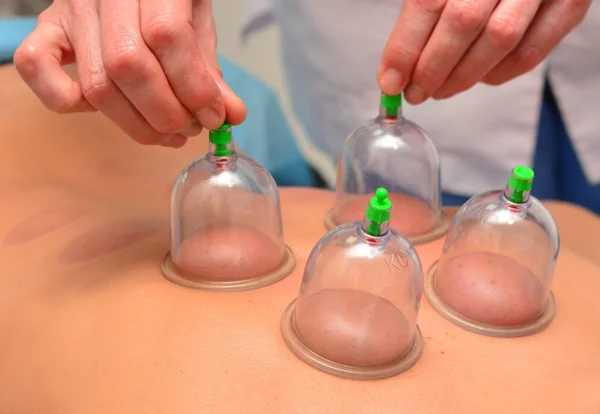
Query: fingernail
x=391, y=82
x=193, y=130
x=209, y=118
x=414, y=94
x=177, y=141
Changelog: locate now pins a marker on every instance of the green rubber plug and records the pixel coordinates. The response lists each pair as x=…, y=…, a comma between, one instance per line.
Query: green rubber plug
x=378, y=212
x=521, y=181
x=391, y=104
x=221, y=137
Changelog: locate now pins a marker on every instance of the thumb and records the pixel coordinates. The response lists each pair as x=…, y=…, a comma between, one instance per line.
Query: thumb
x=206, y=41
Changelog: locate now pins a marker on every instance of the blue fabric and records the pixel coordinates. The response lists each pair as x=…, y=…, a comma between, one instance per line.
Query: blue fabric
x=264, y=136
x=449, y=199
x=558, y=172
x=12, y=33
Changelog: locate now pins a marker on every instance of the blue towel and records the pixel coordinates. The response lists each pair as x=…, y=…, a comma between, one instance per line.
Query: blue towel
x=264, y=136
x=12, y=33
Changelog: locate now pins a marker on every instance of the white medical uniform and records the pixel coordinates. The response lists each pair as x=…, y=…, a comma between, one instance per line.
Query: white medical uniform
x=331, y=50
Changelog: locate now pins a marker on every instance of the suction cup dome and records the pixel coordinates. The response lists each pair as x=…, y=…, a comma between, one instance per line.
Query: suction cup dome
x=495, y=273
x=226, y=228
x=356, y=313
x=394, y=153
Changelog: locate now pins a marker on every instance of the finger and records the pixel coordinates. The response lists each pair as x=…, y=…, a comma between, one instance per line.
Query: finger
x=101, y=91
x=39, y=60
x=408, y=38
x=135, y=70
x=176, y=141
x=234, y=106
x=501, y=35
x=167, y=30
x=460, y=24
x=206, y=39
x=552, y=23
x=206, y=33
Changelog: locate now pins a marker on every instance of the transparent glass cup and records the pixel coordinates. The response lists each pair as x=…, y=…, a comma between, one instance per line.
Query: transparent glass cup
x=356, y=313
x=392, y=152
x=494, y=276
x=226, y=226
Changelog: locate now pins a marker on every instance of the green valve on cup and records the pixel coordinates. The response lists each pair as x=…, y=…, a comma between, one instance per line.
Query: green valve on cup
x=221, y=137
x=391, y=104
x=521, y=182
x=378, y=212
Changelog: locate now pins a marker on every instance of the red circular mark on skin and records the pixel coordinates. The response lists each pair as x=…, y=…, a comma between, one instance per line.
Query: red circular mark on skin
x=490, y=288
x=410, y=216
x=352, y=327
x=105, y=239
x=42, y=223
x=227, y=252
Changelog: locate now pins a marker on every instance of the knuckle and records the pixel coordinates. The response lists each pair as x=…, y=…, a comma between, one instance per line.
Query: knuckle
x=96, y=88
x=469, y=15
x=171, y=124
x=146, y=139
x=430, y=6
x=528, y=57
x=123, y=59
x=505, y=31
x=27, y=58
x=427, y=79
x=161, y=32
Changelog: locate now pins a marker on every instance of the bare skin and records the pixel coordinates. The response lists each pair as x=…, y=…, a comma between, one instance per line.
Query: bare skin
x=89, y=324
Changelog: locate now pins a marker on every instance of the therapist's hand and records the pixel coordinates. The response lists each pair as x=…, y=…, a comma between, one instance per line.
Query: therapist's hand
x=439, y=48
x=148, y=65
